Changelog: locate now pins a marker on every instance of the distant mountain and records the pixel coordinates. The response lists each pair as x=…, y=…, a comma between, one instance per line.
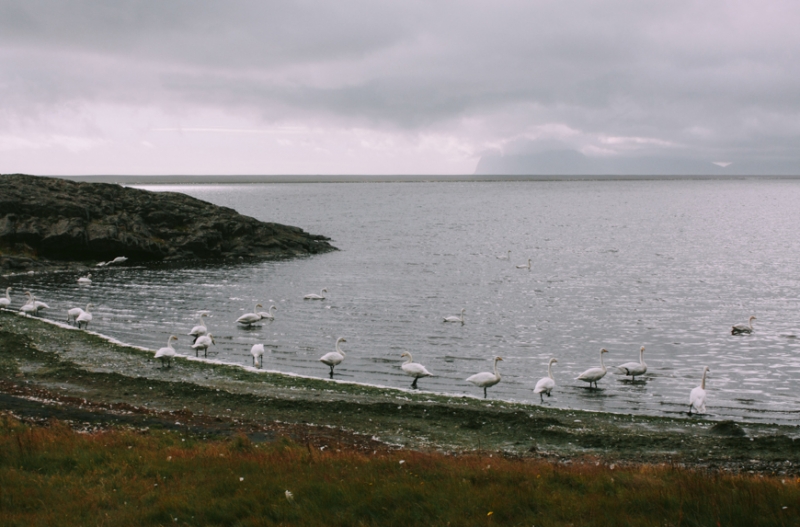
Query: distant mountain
x=574, y=163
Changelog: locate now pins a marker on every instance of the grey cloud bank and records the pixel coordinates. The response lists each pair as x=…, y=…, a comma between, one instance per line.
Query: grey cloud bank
x=388, y=88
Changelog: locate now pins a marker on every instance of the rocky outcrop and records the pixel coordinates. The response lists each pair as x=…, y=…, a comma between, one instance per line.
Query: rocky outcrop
x=54, y=219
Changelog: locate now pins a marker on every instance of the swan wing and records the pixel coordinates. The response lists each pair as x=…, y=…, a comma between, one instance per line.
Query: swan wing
x=199, y=330
x=545, y=384
x=416, y=370
x=165, y=352
x=332, y=358
x=248, y=318
x=592, y=374
x=484, y=378
x=698, y=399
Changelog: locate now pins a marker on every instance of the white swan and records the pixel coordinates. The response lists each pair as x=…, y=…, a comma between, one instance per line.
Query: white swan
x=30, y=308
x=73, y=314
x=743, y=328
x=525, y=266
x=414, y=369
x=118, y=260
x=6, y=300
x=486, y=379
x=592, y=375
x=199, y=329
x=334, y=358
x=85, y=317
x=85, y=280
x=546, y=384
x=268, y=314
x=202, y=343
x=257, y=351
x=167, y=353
x=313, y=296
x=506, y=257
x=697, y=399
x=634, y=368
x=455, y=318
x=250, y=318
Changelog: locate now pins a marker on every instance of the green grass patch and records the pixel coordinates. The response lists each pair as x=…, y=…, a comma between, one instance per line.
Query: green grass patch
x=54, y=476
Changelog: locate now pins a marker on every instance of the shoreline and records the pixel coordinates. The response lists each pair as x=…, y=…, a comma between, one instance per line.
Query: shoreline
x=57, y=369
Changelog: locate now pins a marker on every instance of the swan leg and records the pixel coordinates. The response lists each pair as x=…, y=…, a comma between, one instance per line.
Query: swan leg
x=195, y=339
x=196, y=352
x=414, y=384
x=205, y=353
x=331, y=372
x=541, y=397
x=484, y=393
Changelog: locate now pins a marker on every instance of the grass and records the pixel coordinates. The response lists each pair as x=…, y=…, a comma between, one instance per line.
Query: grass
x=53, y=475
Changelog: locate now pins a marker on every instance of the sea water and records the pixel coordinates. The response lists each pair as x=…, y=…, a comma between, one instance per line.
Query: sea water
x=669, y=265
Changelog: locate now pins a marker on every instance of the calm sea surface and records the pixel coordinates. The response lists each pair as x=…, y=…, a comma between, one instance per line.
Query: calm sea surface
x=669, y=265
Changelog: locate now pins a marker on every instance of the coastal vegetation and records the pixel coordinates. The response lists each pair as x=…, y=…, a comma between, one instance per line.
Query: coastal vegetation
x=53, y=475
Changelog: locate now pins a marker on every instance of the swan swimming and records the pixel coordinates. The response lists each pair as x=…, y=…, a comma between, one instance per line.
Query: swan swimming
x=85, y=317
x=257, y=351
x=743, y=328
x=634, y=368
x=85, y=280
x=525, y=266
x=697, y=399
x=314, y=296
x=334, y=358
x=199, y=329
x=414, y=369
x=486, y=379
x=269, y=315
x=250, y=318
x=202, y=343
x=455, y=318
x=546, y=384
x=6, y=300
x=592, y=375
x=167, y=352
x=506, y=257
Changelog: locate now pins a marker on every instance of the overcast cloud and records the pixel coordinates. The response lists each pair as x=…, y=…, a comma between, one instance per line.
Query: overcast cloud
x=360, y=87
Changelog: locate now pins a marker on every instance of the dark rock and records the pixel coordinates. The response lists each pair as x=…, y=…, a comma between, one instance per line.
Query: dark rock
x=727, y=428
x=45, y=218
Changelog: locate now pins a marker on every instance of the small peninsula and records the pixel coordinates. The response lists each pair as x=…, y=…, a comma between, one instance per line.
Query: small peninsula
x=48, y=222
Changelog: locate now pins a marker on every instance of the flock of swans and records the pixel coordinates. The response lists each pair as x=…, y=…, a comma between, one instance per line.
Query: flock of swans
x=203, y=339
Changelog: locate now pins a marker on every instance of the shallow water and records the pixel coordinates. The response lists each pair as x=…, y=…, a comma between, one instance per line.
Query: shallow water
x=669, y=265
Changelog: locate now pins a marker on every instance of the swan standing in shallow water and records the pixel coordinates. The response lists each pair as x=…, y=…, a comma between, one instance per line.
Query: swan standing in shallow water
x=167, y=352
x=29, y=308
x=743, y=328
x=199, y=329
x=455, y=318
x=546, y=384
x=414, y=369
x=314, y=296
x=486, y=379
x=85, y=317
x=85, y=280
x=6, y=300
x=257, y=351
x=697, y=399
x=506, y=257
x=525, y=266
x=202, y=343
x=73, y=314
x=635, y=368
x=334, y=358
x=250, y=318
x=592, y=375
x=268, y=314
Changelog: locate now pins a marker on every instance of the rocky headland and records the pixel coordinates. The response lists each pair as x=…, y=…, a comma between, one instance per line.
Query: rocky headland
x=49, y=222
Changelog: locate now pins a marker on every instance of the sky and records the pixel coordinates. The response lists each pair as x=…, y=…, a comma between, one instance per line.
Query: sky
x=376, y=87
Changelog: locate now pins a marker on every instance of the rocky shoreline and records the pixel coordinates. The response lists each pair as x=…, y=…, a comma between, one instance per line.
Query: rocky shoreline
x=47, y=371
x=50, y=223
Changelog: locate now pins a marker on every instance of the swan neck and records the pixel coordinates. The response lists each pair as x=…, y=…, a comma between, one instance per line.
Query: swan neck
x=496, y=373
x=703, y=382
x=338, y=349
x=409, y=359
x=550, y=370
x=602, y=364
